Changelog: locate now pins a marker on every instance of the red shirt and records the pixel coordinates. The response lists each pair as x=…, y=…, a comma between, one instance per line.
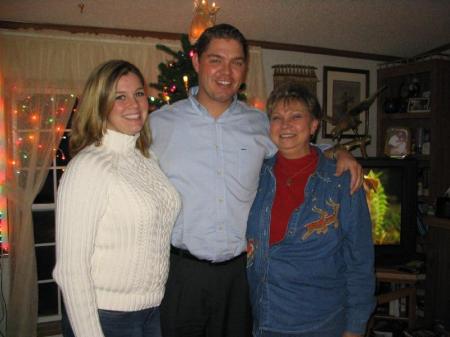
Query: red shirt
x=291, y=178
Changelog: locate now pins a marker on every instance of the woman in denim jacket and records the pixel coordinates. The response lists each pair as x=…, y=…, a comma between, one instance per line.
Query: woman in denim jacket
x=310, y=252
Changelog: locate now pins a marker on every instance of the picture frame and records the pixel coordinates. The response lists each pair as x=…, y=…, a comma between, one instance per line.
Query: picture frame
x=343, y=88
x=419, y=104
x=397, y=142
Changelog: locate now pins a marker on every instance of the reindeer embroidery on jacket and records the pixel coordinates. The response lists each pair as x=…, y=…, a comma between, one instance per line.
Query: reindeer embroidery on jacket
x=321, y=226
x=250, y=252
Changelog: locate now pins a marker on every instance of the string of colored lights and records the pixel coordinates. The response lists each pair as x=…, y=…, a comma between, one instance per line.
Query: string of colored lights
x=4, y=245
x=34, y=130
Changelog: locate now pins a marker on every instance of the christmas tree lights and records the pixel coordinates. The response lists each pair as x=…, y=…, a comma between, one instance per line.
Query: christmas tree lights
x=176, y=76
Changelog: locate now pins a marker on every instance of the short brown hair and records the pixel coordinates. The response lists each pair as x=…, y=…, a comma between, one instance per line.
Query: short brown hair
x=221, y=31
x=294, y=91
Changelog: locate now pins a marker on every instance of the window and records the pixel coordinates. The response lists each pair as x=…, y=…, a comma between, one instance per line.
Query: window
x=33, y=130
x=49, y=308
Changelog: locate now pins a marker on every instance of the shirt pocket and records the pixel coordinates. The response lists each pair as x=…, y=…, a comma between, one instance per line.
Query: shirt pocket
x=250, y=159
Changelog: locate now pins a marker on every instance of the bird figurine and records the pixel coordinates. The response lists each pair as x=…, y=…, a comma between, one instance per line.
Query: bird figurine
x=359, y=142
x=350, y=119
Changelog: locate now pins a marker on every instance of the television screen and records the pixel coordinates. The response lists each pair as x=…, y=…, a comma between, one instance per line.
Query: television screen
x=391, y=192
x=383, y=187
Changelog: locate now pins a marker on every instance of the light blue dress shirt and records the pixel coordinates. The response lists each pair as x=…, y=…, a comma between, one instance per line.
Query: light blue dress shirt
x=215, y=165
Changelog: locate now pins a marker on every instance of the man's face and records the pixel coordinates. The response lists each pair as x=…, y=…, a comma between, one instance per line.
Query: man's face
x=221, y=71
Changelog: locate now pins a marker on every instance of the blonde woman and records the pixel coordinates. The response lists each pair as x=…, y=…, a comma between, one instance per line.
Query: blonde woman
x=115, y=212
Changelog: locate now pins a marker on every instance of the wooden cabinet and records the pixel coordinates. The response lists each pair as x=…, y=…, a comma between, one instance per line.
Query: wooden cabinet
x=417, y=97
x=437, y=294
x=427, y=83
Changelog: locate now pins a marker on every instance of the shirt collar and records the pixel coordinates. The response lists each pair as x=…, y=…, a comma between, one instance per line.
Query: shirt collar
x=200, y=109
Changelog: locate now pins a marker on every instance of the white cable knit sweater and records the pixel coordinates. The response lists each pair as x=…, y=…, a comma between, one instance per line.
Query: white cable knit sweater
x=115, y=213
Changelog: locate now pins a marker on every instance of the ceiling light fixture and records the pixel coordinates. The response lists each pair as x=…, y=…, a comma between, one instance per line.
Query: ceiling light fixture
x=204, y=17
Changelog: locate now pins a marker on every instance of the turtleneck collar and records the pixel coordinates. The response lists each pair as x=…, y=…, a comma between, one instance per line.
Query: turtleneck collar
x=119, y=142
x=291, y=166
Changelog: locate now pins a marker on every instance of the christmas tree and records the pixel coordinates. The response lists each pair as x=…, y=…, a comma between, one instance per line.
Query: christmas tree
x=178, y=75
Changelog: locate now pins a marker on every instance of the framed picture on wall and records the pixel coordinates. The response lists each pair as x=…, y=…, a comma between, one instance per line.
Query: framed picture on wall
x=343, y=88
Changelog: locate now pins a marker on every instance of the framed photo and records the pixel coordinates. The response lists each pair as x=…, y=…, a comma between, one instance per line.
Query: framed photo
x=419, y=104
x=343, y=88
x=397, y=142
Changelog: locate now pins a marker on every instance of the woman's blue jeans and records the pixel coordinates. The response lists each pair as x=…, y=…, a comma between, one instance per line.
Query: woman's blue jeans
x=142, y=323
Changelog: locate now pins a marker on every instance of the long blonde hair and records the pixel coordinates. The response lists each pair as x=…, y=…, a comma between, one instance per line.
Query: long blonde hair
x=97, y=100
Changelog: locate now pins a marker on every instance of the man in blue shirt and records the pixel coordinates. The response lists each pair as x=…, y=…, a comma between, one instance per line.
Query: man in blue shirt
x=211, y=146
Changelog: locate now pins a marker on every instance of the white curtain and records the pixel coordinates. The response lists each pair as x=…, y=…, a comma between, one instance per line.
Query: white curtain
x=71, y=57
x=45, y=71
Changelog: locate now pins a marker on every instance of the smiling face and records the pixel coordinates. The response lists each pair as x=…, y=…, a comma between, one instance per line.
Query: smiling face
x=291, y=126
x=130, y=109
x=221, y=70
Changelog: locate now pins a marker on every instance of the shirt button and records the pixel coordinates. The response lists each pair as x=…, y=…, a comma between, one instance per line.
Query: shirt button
x=220, y=200
x=219, y=172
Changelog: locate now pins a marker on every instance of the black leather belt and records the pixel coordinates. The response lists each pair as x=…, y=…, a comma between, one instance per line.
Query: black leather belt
x=186, y=254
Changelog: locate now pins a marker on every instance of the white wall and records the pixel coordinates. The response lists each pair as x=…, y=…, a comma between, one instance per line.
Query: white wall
x=273, y=57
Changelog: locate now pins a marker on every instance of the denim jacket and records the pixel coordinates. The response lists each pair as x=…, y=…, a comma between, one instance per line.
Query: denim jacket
x=324, y=264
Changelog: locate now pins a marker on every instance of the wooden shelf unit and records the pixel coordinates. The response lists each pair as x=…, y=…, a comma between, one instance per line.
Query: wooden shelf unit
x=433, y=77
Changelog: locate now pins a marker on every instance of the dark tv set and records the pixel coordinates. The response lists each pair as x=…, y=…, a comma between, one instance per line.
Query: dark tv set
x=391, y=192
